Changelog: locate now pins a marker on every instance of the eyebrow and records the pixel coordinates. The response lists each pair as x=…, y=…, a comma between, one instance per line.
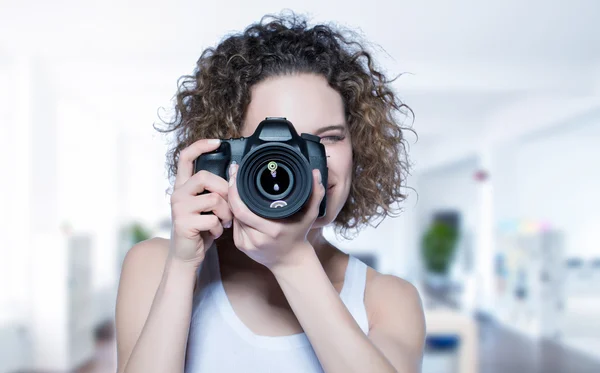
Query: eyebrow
x=329, y=128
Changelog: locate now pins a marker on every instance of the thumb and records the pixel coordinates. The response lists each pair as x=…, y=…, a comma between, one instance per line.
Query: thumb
x=318, y=193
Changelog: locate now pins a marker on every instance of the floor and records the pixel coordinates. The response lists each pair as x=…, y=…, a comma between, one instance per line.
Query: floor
x=504, y=351
x=501, y=351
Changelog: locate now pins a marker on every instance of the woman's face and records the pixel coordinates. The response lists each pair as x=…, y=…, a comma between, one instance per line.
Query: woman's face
x=313, y=107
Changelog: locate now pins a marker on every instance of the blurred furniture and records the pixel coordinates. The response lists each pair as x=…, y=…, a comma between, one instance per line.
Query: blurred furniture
x=529, y=277
x=441, y=354
x=14, y=345
x=449, y=323
x=581, y=320
x=61, y=325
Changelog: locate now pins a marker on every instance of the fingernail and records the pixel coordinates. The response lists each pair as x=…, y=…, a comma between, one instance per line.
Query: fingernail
x=227, y=224
x=319, y=177
x=232, y=168
x=231, y=180
x=214, y=141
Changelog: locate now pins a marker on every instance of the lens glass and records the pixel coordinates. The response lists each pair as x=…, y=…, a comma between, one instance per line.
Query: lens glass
x=274, y=180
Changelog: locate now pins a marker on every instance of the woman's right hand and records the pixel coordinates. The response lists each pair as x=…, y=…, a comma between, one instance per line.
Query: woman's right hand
x=192, y=233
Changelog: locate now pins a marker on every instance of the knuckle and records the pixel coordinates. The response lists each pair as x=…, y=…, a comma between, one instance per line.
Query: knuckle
x=199, y=177
x=228, y=213
x=175, y=208
x=202, y=174
x=183, y=154
x=214, y=221
x=208, y=201
x=277, y=231
x=220, y=201
x=175, y=197
x=213, y=199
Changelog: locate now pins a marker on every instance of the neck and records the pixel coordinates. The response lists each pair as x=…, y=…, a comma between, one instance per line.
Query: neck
x=322, y=247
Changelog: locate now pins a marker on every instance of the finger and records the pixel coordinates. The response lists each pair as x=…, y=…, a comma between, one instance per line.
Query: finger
x=193, y=225
x=185, y=164
x=317, y=194
x=205, y=180
x=211, y=202
x=239, y=209
x=238, y=234
x=242, y=235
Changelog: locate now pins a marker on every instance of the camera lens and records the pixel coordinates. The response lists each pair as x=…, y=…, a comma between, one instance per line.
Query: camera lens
x=275, y=180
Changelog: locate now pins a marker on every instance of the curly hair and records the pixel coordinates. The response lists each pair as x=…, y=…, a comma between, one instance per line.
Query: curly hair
x=212, y=103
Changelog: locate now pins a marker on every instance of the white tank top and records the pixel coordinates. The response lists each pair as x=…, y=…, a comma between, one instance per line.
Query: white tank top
x=219, y=341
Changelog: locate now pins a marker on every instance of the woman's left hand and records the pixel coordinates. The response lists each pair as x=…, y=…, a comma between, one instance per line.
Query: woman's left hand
x=274, y=242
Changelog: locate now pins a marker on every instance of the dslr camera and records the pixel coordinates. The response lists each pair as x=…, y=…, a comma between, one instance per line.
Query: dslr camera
x=274, y=178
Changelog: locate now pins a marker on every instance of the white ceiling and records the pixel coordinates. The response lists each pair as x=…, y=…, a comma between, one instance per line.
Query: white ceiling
x=552, y=32
x=468, y=61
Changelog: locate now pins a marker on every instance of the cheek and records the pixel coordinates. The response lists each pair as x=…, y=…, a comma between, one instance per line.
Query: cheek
x=339, y=162
x=346, y=164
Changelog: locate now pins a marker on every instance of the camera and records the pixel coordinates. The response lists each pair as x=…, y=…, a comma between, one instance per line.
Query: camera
x=274, y=178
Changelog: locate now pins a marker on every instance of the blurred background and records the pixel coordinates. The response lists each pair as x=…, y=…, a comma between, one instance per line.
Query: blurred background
x=500, y=233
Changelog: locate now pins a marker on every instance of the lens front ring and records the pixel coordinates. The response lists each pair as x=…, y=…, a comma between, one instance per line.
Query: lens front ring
x=299, y=190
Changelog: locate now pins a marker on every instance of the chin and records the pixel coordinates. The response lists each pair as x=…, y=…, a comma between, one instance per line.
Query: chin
x=326, y=220
x=333, y=209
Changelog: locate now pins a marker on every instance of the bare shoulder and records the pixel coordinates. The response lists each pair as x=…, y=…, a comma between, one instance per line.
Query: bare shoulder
x=388, y=297
x=142, y=268
x=153, y=251
x=396, y=320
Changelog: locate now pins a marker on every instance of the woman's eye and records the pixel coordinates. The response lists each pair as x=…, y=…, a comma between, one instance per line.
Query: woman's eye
x=331, y=139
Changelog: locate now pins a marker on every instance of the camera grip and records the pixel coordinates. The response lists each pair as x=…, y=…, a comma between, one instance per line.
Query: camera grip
x=215, y=162
x=318, y=160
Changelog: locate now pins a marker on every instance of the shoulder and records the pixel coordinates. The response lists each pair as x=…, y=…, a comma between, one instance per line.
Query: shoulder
x=396, y=320
x=143, y=265
x=391, y=299
x=153, y=250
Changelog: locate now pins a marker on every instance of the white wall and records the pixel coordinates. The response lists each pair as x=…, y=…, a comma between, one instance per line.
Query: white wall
x=553, y=176
x=393, y=242
x=59, y=165
x=18, y=76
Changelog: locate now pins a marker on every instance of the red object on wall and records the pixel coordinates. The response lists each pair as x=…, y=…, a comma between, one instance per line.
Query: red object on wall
x=481, y=175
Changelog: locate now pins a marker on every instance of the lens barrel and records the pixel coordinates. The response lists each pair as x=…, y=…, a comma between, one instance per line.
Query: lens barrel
x=274, y=180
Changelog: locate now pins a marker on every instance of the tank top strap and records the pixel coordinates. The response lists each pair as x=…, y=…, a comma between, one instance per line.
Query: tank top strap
x=353, y=291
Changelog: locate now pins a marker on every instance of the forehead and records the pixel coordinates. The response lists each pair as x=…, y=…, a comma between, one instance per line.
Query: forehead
x=306, y=100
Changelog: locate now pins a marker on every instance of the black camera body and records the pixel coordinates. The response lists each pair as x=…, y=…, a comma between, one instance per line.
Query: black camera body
x=274, y=178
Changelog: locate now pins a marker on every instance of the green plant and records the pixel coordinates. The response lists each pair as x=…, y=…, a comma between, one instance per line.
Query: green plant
x=138, y=232
x=438, y=246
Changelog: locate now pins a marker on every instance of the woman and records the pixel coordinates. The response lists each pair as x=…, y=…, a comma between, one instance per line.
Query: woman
x=274, y=295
